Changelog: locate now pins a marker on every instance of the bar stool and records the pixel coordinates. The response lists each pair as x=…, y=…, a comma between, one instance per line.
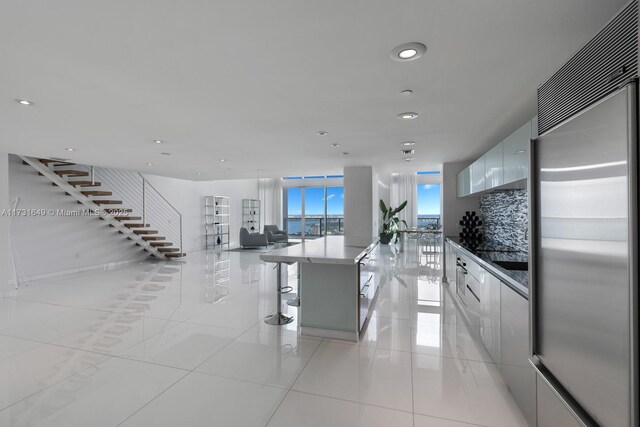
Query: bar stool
x=279, y=318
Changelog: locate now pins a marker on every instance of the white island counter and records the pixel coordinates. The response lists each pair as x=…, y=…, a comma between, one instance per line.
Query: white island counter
x=338, y=282
x=326, y=250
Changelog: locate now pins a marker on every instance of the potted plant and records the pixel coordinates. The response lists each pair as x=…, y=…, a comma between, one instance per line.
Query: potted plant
x=390, y=223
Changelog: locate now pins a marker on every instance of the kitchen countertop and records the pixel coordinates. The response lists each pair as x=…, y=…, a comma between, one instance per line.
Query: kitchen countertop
x=517, y=280
x=326, y=250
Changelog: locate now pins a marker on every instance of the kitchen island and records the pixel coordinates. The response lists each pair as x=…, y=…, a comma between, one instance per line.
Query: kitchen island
x=338, y=283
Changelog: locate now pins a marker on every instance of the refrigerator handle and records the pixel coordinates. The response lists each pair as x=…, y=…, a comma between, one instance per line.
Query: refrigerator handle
x=533, y=239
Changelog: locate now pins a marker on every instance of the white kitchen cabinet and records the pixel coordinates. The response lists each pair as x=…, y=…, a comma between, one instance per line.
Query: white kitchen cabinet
x=450, y=262
x=518, y=375
x=493, y=168
x=477, y=176
x=464, y=182
x=490, y=315
x=515, y=157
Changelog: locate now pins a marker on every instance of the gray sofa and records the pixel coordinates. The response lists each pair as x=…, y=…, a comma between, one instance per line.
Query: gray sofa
x=252, y=240
x=274, y=235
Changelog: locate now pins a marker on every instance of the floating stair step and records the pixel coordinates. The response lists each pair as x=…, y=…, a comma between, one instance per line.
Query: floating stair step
x=56, y=162
x=149, y=238
x=117, y=210
x=144, y=231
x=135, y=225
x=107, y=202
x=71, y=172
x=160, y=244
x=128, y=218
x=175, y=255
x=96, y=193
x=163, y=250
x=82, y=183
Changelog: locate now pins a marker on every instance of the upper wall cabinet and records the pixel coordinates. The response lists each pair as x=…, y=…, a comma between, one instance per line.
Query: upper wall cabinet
x=515, y=154
x=506, y=163
x=493, y=169
x=464, y=182
x=478, y=176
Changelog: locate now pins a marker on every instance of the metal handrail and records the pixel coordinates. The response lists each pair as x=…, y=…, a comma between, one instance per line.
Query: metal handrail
x=138, y=194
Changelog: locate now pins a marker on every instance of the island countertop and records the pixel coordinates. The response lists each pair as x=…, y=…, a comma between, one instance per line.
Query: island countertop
x=326, y=250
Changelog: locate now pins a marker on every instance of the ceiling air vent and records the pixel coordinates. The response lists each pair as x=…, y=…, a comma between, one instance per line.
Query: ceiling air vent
x=406, y=152
x=599, y=68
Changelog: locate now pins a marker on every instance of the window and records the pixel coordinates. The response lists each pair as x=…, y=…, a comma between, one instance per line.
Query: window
x=428, y=205
x=312, y=212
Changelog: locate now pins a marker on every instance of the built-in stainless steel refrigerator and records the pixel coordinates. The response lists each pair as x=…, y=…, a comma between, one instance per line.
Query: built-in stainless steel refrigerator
x=584, y=225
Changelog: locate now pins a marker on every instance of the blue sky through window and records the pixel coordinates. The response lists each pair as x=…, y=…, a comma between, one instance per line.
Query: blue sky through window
x=428, y=199
x=314, y=201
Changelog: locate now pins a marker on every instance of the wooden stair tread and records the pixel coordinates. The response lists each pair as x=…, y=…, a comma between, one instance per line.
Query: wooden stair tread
x=128, y=218
x=82, y=183
x=160, y=244
x=57, y=162
x=71, y=172
x=145, y=231
x=168, y=250
x=107, y=202
x=152, y=238
x=175, y=255
x=96, y=193
x=136, y=225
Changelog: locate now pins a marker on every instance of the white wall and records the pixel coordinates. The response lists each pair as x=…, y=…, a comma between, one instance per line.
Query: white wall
x=4, y=223
x=52, y=244
x=453, y=208
x=188, y=198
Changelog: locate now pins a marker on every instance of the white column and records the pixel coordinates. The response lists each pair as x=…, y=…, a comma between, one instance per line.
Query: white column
x=359, y=224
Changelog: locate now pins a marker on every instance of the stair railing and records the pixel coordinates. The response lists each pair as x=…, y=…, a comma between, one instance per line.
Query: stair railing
x=137, y=194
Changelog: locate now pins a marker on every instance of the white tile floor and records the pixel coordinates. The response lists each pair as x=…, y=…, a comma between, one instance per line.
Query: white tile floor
x=170, y=344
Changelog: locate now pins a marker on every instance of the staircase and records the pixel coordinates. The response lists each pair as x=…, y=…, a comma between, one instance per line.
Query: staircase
x=139, y=211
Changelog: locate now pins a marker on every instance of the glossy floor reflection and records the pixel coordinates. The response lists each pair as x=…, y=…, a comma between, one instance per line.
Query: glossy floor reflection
x=183, y=343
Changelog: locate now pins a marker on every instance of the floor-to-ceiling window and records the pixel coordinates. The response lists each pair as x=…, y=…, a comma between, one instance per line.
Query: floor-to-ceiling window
x=313, y=206
x=429, y=196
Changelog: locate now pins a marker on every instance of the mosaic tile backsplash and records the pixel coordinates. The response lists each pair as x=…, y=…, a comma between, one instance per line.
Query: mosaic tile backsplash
x=504, y=219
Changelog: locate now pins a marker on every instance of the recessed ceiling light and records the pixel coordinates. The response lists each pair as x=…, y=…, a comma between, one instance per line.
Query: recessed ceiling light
x=158, y=141
x=408, y=143
x=24, y=102
x=222, y=160
x=198, y=173
x=520, y=152
x=70, y=149
x=406, y=92
x=323, y=133
x=260, y=170
x=408, y=159
x=166, y=154
x=344, y=153
x=408, y=52
x=407, y=116
x=149, y=164
x=335, y=145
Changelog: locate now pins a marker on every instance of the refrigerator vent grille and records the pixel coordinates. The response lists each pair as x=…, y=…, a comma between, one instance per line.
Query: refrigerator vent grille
x=598, y=69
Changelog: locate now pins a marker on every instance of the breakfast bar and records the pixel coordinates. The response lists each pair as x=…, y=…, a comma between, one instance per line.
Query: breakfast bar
x=338, y=282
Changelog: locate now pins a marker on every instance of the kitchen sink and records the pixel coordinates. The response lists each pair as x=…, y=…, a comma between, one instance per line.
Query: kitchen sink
x=513, y=265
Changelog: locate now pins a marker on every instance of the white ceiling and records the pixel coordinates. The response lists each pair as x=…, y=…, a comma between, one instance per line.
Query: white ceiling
x=253, y=81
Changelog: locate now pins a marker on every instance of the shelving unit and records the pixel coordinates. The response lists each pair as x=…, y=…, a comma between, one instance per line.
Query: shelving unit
x=216, y=221
x=251, y=215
